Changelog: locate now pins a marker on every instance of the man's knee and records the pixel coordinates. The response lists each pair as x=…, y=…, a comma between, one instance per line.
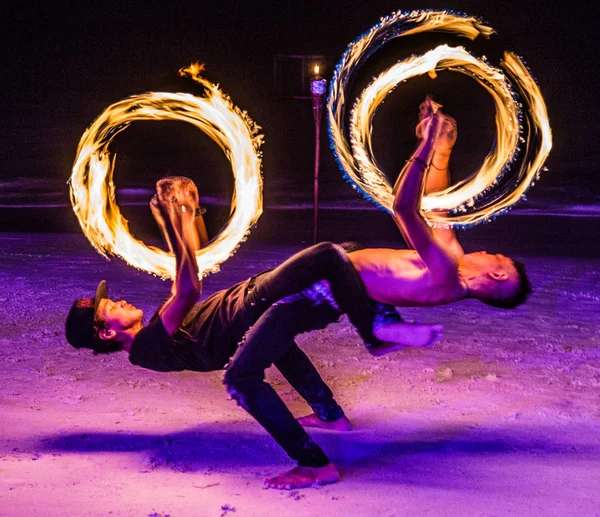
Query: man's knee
x=330, y=250
x=237, y=387
x=236, y=380
x=232, y=380
x=324, y=256
x=325, y=247
x=351, y=246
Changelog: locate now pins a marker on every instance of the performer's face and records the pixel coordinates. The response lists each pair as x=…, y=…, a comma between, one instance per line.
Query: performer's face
x=119, y=315
x=497, y=268
x=486, y=261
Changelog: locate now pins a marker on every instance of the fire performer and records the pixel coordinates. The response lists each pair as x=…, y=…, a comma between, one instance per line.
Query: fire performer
x=253, y=322
x=436, y=270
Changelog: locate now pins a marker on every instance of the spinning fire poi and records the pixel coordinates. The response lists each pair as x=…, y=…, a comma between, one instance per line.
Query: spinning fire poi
x=93, y=189
x=481, y=196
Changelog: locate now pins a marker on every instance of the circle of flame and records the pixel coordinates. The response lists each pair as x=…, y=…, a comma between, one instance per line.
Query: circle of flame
x=92, y=188
x=480, y=197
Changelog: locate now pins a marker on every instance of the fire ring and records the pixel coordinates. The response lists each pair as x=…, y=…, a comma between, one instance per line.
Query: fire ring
x=482, y=196
x=92, y=189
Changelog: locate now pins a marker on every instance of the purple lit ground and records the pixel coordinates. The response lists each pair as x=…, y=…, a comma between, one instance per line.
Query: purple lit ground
x=500, y=418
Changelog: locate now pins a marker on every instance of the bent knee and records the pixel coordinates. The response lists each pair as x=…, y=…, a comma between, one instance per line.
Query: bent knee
x=326, y=246
x=351, y=246
x=329, y=250
x=230, y=380
x=239, y=382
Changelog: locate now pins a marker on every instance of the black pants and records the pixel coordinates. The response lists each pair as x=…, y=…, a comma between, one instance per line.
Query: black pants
x=324, y=261
x=271, y=341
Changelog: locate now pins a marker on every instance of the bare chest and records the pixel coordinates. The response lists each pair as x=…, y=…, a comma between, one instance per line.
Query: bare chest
x=400, y=278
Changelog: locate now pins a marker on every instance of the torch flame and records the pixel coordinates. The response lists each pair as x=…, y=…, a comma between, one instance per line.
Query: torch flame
x=93, y=191
x=316, y=69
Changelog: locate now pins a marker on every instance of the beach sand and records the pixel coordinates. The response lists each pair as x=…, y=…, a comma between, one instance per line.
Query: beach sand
x=502, y=417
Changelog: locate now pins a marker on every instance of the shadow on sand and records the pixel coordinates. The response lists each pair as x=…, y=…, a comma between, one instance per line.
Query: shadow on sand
x=418, y=453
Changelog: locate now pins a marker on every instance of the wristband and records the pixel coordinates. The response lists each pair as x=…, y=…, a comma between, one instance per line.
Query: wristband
x=438, y=168
x=420, y=162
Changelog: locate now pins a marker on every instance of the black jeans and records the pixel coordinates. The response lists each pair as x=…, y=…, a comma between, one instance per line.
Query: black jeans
x=271, y=341
x=324, y=261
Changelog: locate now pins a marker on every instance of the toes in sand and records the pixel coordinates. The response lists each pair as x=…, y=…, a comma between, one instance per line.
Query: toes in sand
x=403, y=335
x=302, y=477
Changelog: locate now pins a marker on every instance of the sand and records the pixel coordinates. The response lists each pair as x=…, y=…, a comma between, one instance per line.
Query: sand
x=502, y=417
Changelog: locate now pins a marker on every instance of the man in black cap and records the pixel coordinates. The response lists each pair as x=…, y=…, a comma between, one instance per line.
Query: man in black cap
x=245, y=329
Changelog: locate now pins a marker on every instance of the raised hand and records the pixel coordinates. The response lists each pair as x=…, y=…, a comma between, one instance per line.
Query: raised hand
x=428, y=107
x=446, y=135
x=158, y=211
x=436, y=125
x=175, y=207
x=178, y=197
x=427, y=111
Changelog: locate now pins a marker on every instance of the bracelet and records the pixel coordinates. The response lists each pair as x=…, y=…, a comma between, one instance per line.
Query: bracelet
x=197, y=211
x=419, y=161
x=438, y=168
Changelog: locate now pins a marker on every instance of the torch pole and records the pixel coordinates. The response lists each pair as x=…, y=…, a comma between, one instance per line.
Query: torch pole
x=318, y=86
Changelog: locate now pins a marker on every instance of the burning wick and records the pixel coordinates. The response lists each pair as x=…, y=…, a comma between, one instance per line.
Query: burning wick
x=318, y=85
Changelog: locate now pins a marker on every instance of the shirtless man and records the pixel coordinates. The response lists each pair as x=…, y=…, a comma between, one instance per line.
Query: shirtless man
x=436, y=270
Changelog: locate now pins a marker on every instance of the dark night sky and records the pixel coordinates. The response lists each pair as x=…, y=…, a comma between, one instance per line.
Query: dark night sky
x=63, y=65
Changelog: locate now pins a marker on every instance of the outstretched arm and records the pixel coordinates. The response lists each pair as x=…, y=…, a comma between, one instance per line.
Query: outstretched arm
x=176, y=204
x=438, y=177
x=408, y=192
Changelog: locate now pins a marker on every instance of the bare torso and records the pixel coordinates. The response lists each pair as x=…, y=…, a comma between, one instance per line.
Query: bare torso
x=400, y=278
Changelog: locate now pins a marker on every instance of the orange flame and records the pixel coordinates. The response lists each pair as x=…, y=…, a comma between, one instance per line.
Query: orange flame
x=93, y=191
x=359, y=163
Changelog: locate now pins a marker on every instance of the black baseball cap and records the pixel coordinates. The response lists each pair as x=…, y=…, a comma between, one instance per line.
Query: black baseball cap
x=80, y=320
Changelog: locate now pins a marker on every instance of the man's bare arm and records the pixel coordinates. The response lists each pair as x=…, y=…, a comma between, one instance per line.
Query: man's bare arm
x=438, y=178
x=408, y=192
x=177, y=207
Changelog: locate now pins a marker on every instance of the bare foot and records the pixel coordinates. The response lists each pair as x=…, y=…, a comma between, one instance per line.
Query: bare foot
x=302, y=477
x=312, y=420
x=399, y=336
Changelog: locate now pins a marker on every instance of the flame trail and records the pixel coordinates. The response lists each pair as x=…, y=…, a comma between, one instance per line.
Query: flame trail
x=481, y=196
x=92, y=188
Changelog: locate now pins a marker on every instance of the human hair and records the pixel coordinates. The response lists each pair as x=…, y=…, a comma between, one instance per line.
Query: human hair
x=519, y=296
x=103, y=346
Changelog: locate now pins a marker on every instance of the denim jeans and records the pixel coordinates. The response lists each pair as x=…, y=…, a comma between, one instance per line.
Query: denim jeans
x=271, y=341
